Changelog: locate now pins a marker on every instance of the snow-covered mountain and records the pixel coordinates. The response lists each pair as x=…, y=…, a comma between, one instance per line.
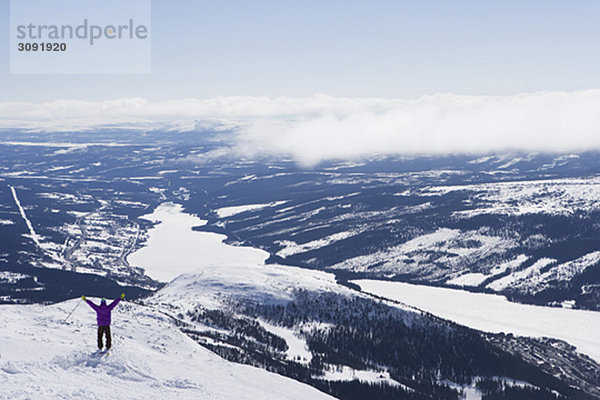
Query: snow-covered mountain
x=44, y=357
x=79, y=214
x=284, y=319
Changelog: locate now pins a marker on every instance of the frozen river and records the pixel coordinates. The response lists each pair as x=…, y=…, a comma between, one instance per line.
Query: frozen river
x=493, y=313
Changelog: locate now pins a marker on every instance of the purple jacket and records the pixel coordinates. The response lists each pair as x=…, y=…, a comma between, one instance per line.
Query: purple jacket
x=103, y=311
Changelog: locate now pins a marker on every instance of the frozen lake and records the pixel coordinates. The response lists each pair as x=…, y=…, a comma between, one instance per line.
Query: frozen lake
x=173, y=248
x=493, y=313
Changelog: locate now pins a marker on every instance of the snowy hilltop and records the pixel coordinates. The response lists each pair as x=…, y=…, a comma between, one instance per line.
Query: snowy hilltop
x=45, y=358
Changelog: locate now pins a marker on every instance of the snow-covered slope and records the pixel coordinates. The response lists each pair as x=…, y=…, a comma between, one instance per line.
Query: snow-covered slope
x=43, y=357
x=213, y=286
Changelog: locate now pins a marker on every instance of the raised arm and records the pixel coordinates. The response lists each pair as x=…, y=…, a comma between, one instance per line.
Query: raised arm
x=114, y=303
x=95, y=307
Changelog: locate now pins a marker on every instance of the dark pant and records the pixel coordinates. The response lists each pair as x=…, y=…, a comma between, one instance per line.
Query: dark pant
x=101, y=331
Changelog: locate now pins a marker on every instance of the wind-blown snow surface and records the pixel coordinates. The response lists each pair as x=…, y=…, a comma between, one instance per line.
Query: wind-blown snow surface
x=493, y=313
x=44, y=358
x=173, y=248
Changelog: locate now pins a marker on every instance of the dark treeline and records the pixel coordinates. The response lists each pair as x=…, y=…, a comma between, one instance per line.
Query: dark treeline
x=419, y=351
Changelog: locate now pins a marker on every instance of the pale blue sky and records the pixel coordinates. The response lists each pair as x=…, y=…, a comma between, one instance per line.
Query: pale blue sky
x=351, y=48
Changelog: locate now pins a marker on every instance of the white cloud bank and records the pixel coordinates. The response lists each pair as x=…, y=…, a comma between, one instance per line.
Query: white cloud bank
x=324, y=127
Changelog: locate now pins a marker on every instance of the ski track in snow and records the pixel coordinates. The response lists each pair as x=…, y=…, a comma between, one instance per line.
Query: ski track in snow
x=42, y=357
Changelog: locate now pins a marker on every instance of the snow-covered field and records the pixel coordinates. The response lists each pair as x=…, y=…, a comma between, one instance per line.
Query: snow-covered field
x=42, y=357
x=230, y=211
x=173, y=248
x=291, y=248
x=526, y=274
x=297, y=346
x=345, y=373
x=451, y=244
x=554, y=196
x=11, y=277
x=493, y=313
x=477, y=278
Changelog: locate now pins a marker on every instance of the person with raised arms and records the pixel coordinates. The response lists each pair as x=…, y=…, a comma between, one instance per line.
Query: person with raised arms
x=103, y=312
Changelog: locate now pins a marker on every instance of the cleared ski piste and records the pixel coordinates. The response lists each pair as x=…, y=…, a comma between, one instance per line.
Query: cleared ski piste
x=173, y=248
x=493, y=313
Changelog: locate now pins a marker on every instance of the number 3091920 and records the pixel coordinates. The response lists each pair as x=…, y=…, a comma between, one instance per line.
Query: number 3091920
x=42, y=46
